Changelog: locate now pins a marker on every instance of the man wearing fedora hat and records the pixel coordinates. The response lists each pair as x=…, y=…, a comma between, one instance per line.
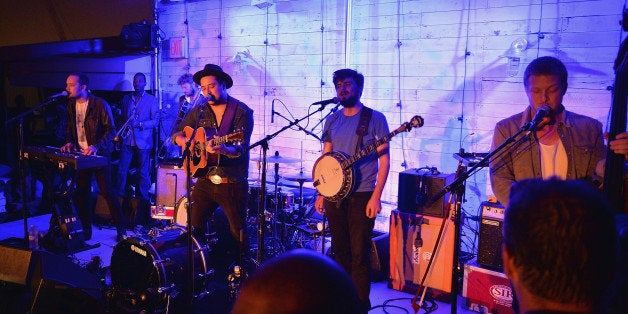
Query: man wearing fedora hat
x=223, y=183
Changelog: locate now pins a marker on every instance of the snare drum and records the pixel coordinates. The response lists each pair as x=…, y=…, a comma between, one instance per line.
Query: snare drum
x=157, y=265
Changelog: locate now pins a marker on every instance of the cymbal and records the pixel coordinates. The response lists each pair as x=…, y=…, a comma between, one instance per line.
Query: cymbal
x=298, y=177
x=278, y=160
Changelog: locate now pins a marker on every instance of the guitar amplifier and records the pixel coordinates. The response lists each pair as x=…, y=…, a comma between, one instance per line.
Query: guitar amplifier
x=169, y=189
x=412, y=240
x=490, y=238
x=416, y=189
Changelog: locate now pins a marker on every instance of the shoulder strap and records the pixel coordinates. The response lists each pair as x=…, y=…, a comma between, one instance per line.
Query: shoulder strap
x=227, y=117
x=363, y=126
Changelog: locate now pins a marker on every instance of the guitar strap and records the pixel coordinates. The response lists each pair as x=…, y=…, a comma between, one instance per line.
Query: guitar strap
x=363, y=126
x=227, y=118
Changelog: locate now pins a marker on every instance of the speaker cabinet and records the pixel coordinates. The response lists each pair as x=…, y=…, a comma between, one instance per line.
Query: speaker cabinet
x=490, y=238
x=170, y=188
x=416, y=189
x=380, y=251
x=412, y=240
x=60, y=286
x=14, y=264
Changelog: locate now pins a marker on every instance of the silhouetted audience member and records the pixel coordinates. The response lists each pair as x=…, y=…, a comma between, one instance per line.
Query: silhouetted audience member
x=299, y=281
x=560, y=246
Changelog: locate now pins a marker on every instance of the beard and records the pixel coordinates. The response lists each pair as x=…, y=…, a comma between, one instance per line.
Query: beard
x=349, y=102
x=191, y=93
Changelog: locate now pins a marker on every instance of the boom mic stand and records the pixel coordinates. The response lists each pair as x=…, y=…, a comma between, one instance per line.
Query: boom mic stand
x=260, y=214
x=187, y=156
x=323, y=119
x=20, y=142
x=457, y=186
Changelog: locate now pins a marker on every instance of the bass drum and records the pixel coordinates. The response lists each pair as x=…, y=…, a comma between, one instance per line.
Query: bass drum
x=145, y=273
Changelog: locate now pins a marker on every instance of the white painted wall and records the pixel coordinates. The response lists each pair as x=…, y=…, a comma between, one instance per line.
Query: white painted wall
x=427, y=73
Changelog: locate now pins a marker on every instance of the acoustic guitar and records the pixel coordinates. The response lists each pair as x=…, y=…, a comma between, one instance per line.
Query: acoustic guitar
x=200, y=159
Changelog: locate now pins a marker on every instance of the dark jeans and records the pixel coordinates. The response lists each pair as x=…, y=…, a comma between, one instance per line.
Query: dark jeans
x=83, y=192
x=351, y=235
x=231, y=197
x=143, y=158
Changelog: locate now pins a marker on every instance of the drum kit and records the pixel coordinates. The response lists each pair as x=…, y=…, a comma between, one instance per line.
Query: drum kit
x=288, y=210
x=149, y=270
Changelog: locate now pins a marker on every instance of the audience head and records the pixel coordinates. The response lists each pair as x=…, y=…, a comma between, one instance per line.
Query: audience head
x=560, y=244
x=299, y=281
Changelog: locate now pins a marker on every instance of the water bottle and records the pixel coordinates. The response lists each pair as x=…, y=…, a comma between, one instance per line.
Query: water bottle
x=33, y=238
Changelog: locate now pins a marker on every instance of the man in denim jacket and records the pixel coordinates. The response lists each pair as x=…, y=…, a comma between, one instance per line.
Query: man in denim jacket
x=565, y=144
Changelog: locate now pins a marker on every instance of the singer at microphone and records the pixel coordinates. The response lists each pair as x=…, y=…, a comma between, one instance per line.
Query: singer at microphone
x=559, y=143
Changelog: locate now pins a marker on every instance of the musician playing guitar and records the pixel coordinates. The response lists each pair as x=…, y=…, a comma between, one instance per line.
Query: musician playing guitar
x=352, y=218
x=223, y=182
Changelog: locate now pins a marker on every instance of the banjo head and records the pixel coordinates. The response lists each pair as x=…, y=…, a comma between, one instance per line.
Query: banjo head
x=330, y=179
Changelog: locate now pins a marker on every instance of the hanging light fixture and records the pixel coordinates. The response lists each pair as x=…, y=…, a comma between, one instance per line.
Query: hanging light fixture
x=514, y=54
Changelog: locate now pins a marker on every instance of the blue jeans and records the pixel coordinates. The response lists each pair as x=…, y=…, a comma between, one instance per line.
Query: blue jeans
x=143, y=157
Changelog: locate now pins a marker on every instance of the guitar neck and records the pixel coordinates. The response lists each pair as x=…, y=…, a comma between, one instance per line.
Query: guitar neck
x=220, y=140
x=370, y=148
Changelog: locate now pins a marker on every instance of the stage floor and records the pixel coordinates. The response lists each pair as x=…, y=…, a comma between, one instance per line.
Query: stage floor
x=105, y=240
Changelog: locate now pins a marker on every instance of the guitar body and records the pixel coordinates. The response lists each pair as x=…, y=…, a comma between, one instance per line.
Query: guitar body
x=200, y=160
x=335, y=183
x=198, y=155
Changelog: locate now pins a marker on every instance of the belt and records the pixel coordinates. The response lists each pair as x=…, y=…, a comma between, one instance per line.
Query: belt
x=215, y=179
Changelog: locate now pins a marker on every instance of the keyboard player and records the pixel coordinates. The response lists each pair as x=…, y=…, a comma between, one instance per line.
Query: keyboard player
x=90, y=130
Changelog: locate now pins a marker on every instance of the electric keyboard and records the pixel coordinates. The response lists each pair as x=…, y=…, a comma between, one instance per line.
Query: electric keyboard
x=77, y=161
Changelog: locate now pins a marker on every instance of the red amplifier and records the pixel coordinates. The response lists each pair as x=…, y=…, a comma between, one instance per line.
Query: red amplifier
x=487, y=291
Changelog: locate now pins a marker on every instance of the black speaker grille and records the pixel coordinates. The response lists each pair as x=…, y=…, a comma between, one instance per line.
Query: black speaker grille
x=490, y=238
x=417, y=187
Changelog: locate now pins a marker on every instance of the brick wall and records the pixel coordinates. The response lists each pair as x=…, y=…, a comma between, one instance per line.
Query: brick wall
x=412, y=54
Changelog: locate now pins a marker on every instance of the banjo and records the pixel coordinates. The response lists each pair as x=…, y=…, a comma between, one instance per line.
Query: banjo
x=333, y=172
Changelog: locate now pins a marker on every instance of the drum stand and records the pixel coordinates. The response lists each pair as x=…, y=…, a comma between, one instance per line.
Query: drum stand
x=264, y=144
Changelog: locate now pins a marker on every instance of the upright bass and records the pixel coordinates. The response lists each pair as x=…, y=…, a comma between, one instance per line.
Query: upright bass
x=614, y=170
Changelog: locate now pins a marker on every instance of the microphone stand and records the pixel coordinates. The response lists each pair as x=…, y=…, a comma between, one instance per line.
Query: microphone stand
x=188, y=209
x=21, y=164
x=325, y=117
x=301, y=128
x=457, y=186
x=261, y=211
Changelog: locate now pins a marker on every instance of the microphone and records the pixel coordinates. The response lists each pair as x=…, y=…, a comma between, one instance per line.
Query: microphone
x=334, y=100
x=59, y=95
x=542, y=112
x=272, y=112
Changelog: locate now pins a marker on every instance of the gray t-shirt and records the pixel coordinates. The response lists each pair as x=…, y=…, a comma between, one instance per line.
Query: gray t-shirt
x=340, y=130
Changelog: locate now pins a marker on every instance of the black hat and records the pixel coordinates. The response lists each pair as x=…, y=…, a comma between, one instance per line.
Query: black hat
x=213, y=70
